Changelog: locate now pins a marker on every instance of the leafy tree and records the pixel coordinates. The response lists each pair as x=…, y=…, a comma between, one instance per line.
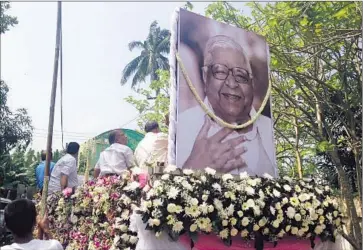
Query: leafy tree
x=6, y=20
x=152, y=57
x=156, y=109
x=315, y=54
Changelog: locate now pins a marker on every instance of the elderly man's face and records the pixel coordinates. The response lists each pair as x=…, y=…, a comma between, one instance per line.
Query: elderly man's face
x=121, y=138
x=231, y=98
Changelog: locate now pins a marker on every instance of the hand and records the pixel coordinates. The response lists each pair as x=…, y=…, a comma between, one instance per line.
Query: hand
x=212, y=152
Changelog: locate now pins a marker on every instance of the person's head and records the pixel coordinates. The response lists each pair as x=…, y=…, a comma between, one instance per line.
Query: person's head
x=73, y=148
x=152, y=126
x=227, y=78
x=117, y=136
x=43, y=155
x=20, y=217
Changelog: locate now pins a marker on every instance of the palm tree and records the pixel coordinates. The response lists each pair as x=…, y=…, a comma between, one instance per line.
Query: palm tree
x=153, y=56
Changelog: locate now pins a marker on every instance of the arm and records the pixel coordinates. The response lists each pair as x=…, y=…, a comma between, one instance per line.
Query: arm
x=97, y=170
x=129, y=156
x=64, y=181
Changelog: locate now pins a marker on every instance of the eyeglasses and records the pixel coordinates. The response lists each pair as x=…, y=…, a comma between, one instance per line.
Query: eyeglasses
x=221, y=72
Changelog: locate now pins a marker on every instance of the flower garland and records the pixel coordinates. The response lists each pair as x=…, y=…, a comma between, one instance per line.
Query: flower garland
x=96, y=216
x=263, y=209
x=210, y=113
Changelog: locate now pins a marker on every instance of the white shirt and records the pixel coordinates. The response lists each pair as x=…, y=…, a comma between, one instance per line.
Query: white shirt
x=115, y=159
x=35, y=245
x=67, y=165
x=260, y=156
x=153, y=147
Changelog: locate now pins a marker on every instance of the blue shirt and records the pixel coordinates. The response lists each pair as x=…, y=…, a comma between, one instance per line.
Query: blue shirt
x=39, y=173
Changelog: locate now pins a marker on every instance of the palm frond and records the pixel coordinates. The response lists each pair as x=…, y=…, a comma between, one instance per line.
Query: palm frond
x=141, y=73
x=136, y=44
x=164, y=45
x=130, y=68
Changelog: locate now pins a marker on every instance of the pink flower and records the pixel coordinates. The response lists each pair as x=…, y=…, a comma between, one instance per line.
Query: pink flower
x=67, y=192
x=143, y=178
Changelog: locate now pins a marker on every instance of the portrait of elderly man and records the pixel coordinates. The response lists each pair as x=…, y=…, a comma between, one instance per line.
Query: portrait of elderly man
x=228, y=85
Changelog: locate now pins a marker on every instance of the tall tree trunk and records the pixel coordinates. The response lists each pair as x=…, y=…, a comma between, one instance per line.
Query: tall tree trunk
x=346, y=191
x=297, y=151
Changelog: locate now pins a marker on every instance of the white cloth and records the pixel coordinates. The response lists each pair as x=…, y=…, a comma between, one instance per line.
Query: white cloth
x=154, y=146
x=35, y=245
x=147, y=238
x=115, y=159
x=67, y=165
x=260, y=156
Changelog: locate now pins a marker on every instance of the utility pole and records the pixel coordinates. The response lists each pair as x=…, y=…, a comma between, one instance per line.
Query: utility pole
x=51, y=110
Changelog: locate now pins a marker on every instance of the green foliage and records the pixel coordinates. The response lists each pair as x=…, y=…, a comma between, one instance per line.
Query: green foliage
x=6, y=20
x=152, y=57
x=156, y=109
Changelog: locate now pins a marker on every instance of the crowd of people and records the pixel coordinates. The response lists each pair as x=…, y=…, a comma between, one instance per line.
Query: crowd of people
x=20, y=215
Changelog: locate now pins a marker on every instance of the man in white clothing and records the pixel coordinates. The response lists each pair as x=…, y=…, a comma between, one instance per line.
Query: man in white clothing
x=116, y=158
x=154, y=146
x=20, y=219
x=64, y=173
x=228, y=86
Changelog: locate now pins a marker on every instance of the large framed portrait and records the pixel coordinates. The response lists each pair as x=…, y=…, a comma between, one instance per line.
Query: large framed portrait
x=228, y=69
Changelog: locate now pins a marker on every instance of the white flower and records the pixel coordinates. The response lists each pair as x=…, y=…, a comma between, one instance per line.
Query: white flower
x=210, y=171
x=227, y=177
x=134, y=185
x=286, y=178
x=243, y=175
x=273, y=210
x=204, y=197
x=125, y=237
x=245, y=221
x=165, y=177
x=173, y=193
x=224, y=234
x=204, y=208
x=252, y=182
x=294, y=230
x=250, y=190
x=178, y=226
x=192, y=211
x=318, y=230
x=250, y=203
x=276, y=193
x=194, y=201
x=240, y=213
x=171, y=208
x=234, y=232
x=187, y=185
x=154, y=222
x=203, y=178
x=193, y=227
x=320, y=211
x=218, y=204
x=230, y=210
x=188, y=171
x=304, y=197
x=267, y=176
x=335, y=213
x=256, y=227
x=276, y=223
x=262, y=222
x=285, y=200
x=287, y=188
x=290, y=212
x=224, y=223
x=261, y=194
x=244, y=233
x=257, y=211
x=157, y=203
x=133, y=239
x=297, y=217
x=210, y=208
x=170, y=168
x=216, y=186
x=124, y=228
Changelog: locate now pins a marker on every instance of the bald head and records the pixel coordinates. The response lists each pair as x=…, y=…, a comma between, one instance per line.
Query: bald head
x=117, y=136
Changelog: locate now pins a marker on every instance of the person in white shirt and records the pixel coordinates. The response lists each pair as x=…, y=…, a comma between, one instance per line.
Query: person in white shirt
x=116, y=158
x=228, y=86
x=20, y=218
x=64, y=173
x=154, y=146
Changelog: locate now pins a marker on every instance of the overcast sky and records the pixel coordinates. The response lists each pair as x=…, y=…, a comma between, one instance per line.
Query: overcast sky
x=95, y=38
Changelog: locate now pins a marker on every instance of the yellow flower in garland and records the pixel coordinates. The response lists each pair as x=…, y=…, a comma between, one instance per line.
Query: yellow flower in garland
x=224, y=233
x=234, y=232
x=203, y=223
x=244, y=233
x=178, y=226
x=193, y=228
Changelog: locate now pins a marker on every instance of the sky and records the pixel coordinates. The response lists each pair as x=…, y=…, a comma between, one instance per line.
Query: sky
x=95, y=39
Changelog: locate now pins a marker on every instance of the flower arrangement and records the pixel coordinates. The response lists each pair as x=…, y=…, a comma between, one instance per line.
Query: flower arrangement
x=260, y=209
x=96, y=215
